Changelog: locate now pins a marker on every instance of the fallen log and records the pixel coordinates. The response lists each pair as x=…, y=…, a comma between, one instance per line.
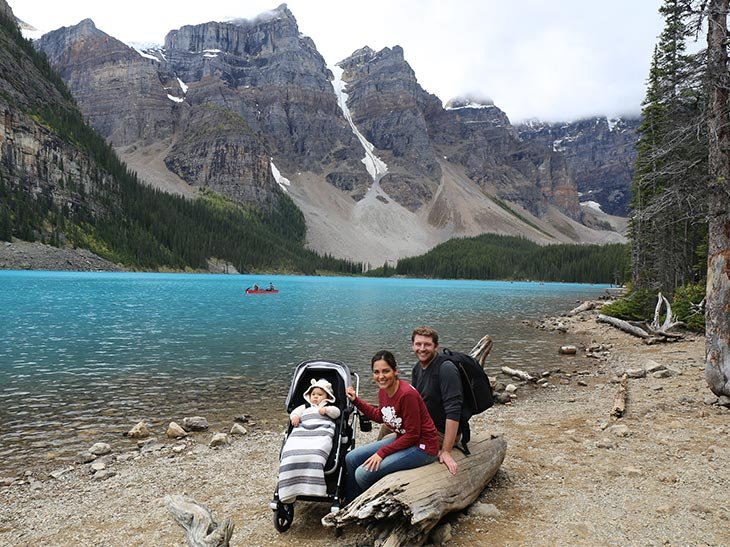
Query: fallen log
x=623, y=325
x=521, y=374
x=619, y=401
x=197, y=520
x=585, y=306
x=661, y=334
x=402, y=508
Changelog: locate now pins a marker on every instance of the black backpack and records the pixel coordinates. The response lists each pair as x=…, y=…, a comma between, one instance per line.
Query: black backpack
x=477, y=389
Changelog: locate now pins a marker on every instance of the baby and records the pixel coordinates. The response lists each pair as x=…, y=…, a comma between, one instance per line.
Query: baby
x=318, y=395
x=305, y=452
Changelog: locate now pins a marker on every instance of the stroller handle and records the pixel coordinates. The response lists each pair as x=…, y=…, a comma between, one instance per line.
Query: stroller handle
x=363, y=421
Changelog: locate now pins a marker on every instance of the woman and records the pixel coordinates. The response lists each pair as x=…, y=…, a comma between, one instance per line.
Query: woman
x=401, y=408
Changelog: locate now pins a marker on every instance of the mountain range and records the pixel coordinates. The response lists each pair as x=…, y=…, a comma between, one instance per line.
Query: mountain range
x=379, y=167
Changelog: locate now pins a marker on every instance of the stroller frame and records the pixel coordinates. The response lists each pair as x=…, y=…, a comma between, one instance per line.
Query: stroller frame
x=340, y=377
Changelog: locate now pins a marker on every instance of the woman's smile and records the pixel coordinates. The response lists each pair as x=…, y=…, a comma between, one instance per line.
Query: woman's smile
x=384, y=376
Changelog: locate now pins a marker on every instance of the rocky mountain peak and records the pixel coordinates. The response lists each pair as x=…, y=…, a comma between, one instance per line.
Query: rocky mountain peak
x=469, y=102
x=69, y=45
x=475, y=110
x=266, y=34
x=366, y=61
x=237, y=106
x=390, y=108
x=86, y=26
x=599, y=152
x=6, y=10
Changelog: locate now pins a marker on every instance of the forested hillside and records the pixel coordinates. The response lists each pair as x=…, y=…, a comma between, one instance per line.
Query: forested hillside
x=493, y=256
x=78, y=193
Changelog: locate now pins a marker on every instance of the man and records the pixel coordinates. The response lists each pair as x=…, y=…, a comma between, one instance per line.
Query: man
x=440, y=387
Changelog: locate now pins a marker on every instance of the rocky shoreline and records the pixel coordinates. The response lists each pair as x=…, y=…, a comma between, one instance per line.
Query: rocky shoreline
x=573, y=474
x=24, y=255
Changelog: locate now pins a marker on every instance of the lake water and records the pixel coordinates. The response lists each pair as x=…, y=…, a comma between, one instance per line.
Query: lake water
x=85, y=356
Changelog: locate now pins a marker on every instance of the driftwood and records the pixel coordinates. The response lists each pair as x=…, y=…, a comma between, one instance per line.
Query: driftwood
x=619, y=401
x=403, y=507
x=481, y=350
x=650, y=332
x=521, y=374
x=200, y=528
x=660, y=335
x=568, y=350
x=670, y=320
x=585, y=306
x=623, y=325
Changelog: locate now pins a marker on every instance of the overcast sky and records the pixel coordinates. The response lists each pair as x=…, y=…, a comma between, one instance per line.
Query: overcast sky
x=555, y=60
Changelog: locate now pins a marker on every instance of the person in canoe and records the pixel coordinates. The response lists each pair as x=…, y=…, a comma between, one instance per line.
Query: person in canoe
x=271, y=287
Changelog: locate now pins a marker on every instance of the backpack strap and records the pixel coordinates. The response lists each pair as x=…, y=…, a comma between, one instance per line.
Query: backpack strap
x=464, y=428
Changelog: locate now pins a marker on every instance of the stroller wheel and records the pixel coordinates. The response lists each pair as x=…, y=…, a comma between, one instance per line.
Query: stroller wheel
x=283, y=516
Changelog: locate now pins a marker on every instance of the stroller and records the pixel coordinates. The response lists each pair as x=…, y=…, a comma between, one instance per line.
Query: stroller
x=340, y=377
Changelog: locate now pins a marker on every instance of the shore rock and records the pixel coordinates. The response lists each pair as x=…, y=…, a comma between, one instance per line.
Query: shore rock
x=174, y=431
x=195, y=423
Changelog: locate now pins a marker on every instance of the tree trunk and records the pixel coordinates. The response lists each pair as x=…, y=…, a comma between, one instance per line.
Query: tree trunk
x=717, y=310
x=403, y=507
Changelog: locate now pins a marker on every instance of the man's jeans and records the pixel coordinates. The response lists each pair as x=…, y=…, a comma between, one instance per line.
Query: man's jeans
x=360, y=479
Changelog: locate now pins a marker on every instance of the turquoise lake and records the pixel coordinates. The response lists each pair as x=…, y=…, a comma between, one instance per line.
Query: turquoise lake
x=85, y=356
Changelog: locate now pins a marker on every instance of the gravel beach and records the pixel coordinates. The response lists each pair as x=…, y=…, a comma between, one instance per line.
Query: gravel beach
x=572, y=474
x=23, y=255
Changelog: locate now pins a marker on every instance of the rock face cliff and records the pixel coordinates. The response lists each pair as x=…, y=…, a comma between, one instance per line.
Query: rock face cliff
x=227, y=97
x=480, y=137
x=390, y=109
x=37, y=163
x=241, y=105
x=119, y=91
x=600, y=154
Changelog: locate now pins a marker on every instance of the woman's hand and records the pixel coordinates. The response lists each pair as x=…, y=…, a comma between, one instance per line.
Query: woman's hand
x=295, y=421
x=372, y=463
x=351, y=393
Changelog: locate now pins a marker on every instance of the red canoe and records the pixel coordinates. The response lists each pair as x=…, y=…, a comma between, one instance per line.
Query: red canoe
x=262, y=291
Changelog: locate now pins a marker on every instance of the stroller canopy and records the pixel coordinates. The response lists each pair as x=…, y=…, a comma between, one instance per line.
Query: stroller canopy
x=335, y=372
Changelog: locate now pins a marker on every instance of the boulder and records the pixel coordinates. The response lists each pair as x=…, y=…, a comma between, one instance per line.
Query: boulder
x=174, y=431
x=139, y=431
x=195, y=423
x=99, y=449
x=219, y=439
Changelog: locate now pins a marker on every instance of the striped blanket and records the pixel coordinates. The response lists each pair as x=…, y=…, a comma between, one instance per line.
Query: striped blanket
x=301, y=469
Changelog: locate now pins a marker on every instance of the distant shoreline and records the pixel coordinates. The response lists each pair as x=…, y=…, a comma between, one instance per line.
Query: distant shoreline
x=24, y=255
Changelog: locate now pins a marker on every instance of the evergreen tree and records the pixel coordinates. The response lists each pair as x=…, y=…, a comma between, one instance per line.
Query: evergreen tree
x=667, y=224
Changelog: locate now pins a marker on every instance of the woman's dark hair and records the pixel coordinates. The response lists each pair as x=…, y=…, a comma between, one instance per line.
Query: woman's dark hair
x=386, y=356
